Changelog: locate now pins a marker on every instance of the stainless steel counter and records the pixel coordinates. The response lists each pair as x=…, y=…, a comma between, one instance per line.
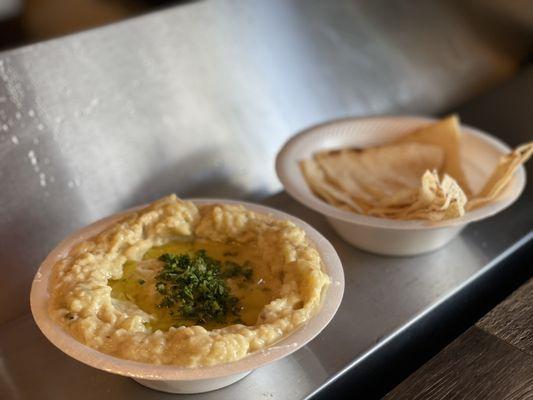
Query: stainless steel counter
x=197, y=99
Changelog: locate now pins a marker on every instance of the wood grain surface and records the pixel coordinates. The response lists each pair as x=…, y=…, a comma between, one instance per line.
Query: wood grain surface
x=512, y=320
x=475, y=366
x=492, y=360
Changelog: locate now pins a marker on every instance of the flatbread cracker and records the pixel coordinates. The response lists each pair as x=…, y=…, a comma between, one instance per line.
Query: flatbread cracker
x=316, y=179
x=436, y=200
x=501, y=176
x=380, y=176
x=445, y=134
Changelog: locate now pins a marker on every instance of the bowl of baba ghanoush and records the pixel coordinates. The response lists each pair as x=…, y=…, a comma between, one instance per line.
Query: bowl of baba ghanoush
x=187, y=296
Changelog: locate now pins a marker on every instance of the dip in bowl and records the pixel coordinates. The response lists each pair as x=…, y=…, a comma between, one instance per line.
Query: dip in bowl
x=187, y=296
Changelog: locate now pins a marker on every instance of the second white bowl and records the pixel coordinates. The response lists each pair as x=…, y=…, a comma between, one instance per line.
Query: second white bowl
x=480, y=153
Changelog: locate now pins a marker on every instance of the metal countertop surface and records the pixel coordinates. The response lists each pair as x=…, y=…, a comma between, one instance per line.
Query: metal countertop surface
x=198, y=99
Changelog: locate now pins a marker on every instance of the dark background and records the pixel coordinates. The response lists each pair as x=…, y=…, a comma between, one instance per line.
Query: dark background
x=28, y=21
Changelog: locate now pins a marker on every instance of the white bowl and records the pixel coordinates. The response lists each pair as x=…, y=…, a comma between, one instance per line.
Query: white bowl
x=480, y=153
x=170, y=378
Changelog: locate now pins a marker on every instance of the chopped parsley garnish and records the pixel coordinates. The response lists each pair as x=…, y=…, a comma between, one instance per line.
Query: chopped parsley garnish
x=195, y=287
x=233, y=270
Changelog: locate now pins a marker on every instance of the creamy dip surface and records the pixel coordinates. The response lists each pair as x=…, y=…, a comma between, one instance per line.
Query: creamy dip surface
x=105, y=291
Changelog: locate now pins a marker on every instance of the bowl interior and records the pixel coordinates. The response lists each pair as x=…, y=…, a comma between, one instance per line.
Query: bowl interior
x=60, y=338
x=480, y=153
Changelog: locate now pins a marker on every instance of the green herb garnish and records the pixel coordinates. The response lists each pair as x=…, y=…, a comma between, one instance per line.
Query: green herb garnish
x=233, y=270
x=196, y=288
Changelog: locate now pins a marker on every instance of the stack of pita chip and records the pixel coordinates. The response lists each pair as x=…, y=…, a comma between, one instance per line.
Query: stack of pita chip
x=418, y=176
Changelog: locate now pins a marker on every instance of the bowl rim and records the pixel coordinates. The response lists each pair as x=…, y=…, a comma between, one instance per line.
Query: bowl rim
x=331, y=301
x=284, y=158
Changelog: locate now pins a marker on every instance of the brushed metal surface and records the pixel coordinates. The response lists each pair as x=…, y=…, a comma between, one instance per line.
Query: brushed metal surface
x=197, y=99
